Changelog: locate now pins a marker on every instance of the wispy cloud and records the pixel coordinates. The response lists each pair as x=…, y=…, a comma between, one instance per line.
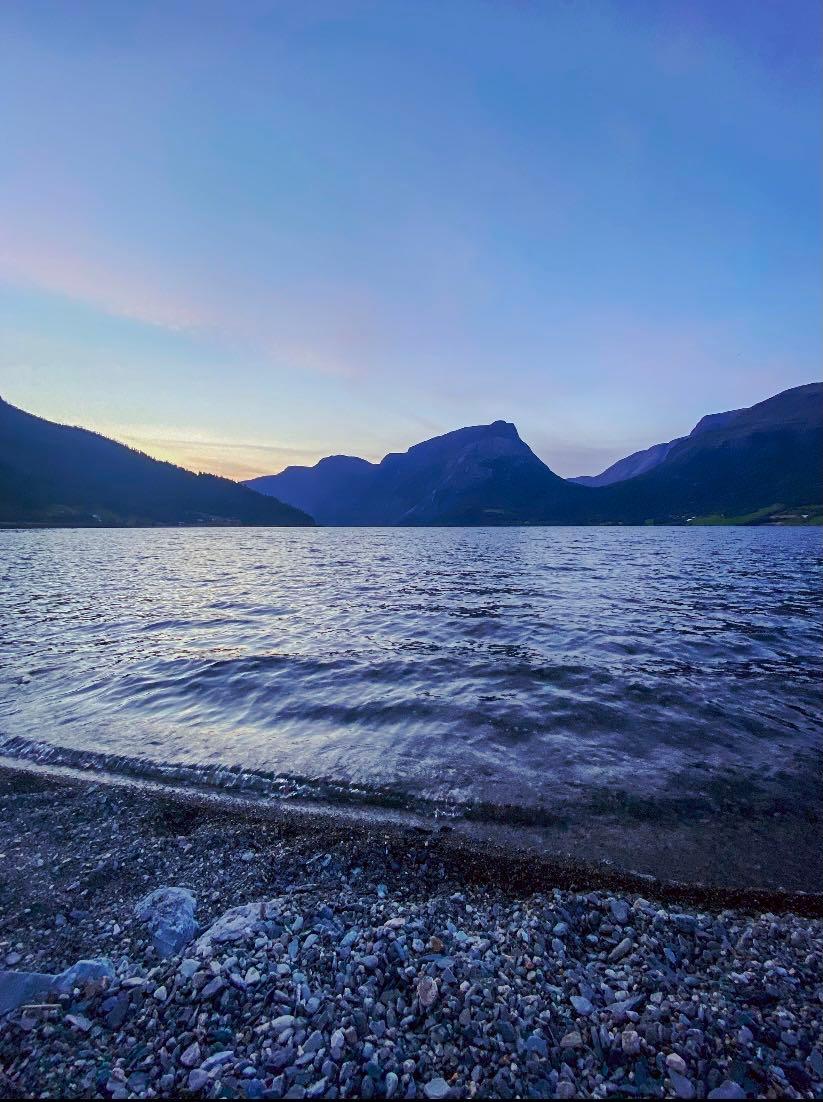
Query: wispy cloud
x=322, y=329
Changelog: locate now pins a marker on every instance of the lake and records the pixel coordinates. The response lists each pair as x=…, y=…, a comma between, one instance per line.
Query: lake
x=526, y=676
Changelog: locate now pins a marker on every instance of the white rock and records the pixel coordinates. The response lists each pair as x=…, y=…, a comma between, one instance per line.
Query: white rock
x=191, y=1056
x=676, y=1063
x=630, y=1042
x=427, y=994
x=239, y=924
x=436, y=1088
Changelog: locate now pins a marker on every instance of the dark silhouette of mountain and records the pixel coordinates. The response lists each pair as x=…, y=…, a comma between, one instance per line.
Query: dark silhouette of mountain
x=649, y=458
x=55, y=474
x=324, y=489
x=732, y=464
x=479, y=475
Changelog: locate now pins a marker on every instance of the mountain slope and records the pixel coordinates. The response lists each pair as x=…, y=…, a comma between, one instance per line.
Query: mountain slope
x=648, y=458
x=629, y=467
x=324, y=491
x=484, y=474
x=730, y=465
x=55, y=474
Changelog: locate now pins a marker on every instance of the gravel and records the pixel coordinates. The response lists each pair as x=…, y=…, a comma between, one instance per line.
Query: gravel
x=325, y=968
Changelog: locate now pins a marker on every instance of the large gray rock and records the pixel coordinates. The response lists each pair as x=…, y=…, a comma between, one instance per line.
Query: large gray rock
x=19, y=988
x=82, y=973
x=239, y=924
x=169, y=914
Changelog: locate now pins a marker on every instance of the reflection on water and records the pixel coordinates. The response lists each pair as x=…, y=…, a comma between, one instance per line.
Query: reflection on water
x=532, y=667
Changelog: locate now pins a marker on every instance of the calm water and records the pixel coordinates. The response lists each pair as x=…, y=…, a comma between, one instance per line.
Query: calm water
x=539, y=668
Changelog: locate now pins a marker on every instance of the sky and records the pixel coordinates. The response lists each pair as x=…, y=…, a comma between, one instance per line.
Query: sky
x=240, y=236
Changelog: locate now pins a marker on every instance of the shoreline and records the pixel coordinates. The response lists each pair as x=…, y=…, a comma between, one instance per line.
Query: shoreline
x=518, y=857
x=694, y=522
x=548, y=978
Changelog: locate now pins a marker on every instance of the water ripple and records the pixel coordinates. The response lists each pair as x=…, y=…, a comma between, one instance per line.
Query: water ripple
x=485, y=667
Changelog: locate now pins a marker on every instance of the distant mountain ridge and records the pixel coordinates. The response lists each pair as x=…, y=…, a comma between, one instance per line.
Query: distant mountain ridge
x=629, y=467
x=731, y=464
x=767, y=456
x=483, y=474
x=57, y=474
x=649, y=458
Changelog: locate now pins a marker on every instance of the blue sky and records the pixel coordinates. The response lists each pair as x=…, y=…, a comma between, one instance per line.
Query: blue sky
x=245, y=235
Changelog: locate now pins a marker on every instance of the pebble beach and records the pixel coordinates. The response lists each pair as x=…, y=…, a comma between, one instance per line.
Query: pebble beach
x=236, y=958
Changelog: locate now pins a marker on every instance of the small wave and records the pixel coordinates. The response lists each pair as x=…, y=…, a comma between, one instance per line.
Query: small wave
x=733, y=796
x=230, y=779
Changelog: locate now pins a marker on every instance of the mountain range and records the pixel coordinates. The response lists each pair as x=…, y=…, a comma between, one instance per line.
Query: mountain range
x=58, y=475
x=755, y=465
x=745, y=464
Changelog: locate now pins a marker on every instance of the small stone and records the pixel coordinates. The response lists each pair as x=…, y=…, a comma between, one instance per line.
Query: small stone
x=436, y=1088
x=581, y=1004
x=630, y=1042
x=683, y=1087
x=314, y=1042
x=190, y=1057
x=427, y=994
x=572, y=1040
x=620, y=950
x=686, y=924
x=728, y=1089
x=620, y=910
x=506, y=1031
x=216, y=1060
x=197, y=1079
x=137, y=1082
x=537, y=1044
x=117, y=1011
x=212, y=988
x=78, y=1021
x=676, y=1063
